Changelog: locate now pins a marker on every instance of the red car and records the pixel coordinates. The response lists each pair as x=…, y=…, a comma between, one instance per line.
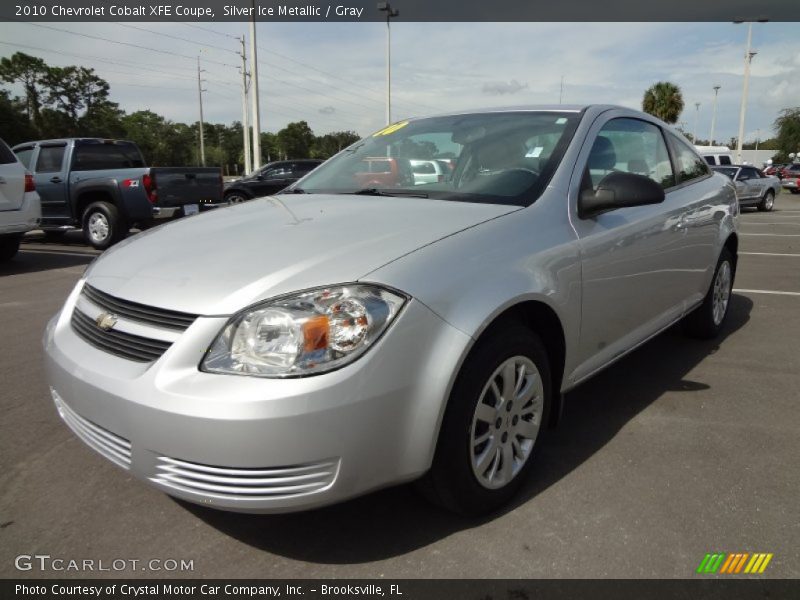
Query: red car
x=384, y=172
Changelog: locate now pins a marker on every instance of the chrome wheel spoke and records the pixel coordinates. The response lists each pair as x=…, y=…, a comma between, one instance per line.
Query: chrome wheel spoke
x=509, y=380
x=507, y=463
x=485, y=413
x=528, y=429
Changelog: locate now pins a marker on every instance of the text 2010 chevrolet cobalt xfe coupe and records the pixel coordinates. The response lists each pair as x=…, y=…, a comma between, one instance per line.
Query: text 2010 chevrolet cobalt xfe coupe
x=359, y=330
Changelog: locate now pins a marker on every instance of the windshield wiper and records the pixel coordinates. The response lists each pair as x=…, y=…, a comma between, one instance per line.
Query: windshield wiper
x=376, y=192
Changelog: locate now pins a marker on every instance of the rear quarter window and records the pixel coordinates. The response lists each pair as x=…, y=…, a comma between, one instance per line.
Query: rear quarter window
x=6, y=155
x=25, y=155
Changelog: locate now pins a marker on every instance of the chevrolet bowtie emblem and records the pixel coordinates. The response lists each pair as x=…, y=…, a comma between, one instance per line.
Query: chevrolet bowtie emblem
x=105, y=321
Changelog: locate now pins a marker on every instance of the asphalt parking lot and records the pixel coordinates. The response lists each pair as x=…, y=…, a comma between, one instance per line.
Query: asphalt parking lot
x=680, y=449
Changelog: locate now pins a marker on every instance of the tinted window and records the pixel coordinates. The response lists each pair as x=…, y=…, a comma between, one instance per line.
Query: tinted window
x=711, y=160
x=630, y=146
x=689, y=165
x=725, y=160
x=6, y=155
x=425, y=168
x=25, y=155
x=50, y=159
x=97, y=157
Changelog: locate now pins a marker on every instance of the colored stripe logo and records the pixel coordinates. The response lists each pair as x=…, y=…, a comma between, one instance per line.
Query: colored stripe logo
x=734, y=563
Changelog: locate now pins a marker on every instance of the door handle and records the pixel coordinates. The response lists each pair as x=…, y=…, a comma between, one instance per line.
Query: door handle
x=56, y=180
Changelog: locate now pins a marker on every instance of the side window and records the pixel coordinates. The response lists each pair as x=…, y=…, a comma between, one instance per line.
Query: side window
x=755, y=173
x=25, y=155
x=725, y=160
x=712, y=160
x=689, y=165
x=50, y=159
x=744, y=175
x=630, y=146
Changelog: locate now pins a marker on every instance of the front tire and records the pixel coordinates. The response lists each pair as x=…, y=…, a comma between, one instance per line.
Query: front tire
x=706, y=321
x=492, y=423
x=102, y=225
x=767, y=202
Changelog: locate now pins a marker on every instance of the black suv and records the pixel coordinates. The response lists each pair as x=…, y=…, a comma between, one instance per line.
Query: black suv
x=269, y=179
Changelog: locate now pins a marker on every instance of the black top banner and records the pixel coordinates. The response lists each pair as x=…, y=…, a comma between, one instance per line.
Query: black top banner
x=407, y=10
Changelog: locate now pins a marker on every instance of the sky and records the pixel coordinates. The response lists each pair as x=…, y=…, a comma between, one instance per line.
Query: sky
x=333, y=74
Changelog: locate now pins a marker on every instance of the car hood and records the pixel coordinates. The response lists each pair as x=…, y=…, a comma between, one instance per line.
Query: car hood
x=219, y=262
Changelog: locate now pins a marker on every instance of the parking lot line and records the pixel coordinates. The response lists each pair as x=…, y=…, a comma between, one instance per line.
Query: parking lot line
x=768, y=223
x=773, y=234
x=767, y=254
x=774, y=292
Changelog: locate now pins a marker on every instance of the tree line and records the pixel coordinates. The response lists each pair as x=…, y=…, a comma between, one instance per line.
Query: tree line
x=74, y=101
x=665, y=101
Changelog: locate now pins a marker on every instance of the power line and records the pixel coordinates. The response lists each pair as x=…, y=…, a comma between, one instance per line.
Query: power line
x=351, y=83
x=210, y=30
x=97, y=37
x=174, y=37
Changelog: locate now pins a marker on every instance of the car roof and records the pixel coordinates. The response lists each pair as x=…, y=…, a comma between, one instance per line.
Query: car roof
x=73, y=139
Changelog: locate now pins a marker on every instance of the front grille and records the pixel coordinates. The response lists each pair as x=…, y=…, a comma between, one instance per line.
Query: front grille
x=134, y=311
x=115, y=448
x=244, y=483
x=125, y=345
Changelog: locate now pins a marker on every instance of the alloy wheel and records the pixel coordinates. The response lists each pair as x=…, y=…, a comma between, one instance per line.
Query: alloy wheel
x=506, y=422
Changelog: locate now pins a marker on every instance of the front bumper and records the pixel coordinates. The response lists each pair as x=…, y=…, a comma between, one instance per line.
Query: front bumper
x=253, y=444
x=26, y=218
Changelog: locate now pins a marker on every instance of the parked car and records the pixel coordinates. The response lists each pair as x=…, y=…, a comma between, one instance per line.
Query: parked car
x=716, y=155
x=269, y=179
x=338, y=339
x=383, y=172
x=753, y=188
x=774, y=170
x=790, y=178
x=20, y=209
x=104, y=187
x=427, y=171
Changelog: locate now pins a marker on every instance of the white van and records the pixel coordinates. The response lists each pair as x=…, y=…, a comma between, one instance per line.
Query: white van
x=20, y=207
x=716, y=155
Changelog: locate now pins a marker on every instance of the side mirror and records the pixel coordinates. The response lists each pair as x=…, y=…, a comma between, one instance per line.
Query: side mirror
x=619, y=190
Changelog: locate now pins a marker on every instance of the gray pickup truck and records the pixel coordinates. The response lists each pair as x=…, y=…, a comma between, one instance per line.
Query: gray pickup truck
x=104, y=187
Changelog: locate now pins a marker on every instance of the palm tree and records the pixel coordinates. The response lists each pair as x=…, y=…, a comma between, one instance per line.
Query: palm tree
x=663, y=100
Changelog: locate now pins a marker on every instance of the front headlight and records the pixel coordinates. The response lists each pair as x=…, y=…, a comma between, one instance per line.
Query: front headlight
x=305, y=333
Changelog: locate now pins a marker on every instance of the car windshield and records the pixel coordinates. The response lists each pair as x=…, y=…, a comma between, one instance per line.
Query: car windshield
x=498, y=158
x=729, y=171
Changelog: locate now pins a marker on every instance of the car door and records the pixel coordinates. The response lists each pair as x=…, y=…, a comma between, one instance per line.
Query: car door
x=756, y=184
x=633, y=259
x=12, y=179
x=273, y=179
x=50, y=174
x=744, y=184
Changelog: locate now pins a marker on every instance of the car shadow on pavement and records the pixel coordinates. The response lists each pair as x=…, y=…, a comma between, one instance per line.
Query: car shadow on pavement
x=31, y=261
x=395, y=521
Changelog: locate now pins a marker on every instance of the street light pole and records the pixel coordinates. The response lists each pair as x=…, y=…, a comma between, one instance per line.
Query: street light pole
x=748, y=58
x=200, y=91
x=696, y=114
x=387, y=8
x=254, y=87
x=245, y=121
x=714, y=115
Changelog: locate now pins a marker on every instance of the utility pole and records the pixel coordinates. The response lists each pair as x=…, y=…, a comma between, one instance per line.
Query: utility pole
x=758, y=135
x=748, y=58
x=200, y=91
x=248, y=167
x=387, y=7
x=714, y=115
x=561, y=91
x=696, y=113
x=254, y=85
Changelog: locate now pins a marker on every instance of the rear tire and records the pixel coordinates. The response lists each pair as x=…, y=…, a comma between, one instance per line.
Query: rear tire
x=706, y=321
x=492, y=424
x=236, y=198
x=102, y=225
x=9, y=246
x=767, y=202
